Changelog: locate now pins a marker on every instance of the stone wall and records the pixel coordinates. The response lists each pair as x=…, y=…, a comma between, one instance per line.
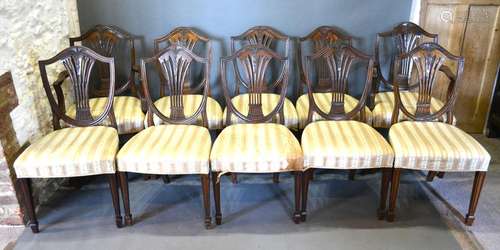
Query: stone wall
x=30, y=31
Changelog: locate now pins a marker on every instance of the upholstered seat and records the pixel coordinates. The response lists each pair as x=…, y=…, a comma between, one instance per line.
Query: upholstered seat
x=70, y=152
x=323, y=100
x=127, y=109
x=256, y=148
x=191, y=104
x=436, y=146
x=269, y=102
x=384, y=107
x=167, y=149
x=344, y=145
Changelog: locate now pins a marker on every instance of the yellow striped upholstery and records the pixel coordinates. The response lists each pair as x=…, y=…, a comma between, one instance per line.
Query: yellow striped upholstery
x=167, y=149
x=324, y=100
x=384, y=106
x=256, y=148
x=344, y=145
x=70, y=152
x=191, y=104
x=128, y=113
x=436, y=146
x=269, y=102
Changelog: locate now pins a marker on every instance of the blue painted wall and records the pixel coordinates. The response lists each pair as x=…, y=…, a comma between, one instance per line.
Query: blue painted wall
x=220, y=19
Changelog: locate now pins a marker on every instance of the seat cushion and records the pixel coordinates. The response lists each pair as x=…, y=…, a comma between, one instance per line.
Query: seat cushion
x=256, y=148
x=128, y=112
x=191, y=104
x=436, y=146
x=70, y=152
x=269, y=102
x=167, y=149
x=344, y=145
x=324, y=100
x=384, y=106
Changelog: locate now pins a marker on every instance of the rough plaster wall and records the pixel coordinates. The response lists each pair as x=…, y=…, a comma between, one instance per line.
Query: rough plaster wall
x=31, y=31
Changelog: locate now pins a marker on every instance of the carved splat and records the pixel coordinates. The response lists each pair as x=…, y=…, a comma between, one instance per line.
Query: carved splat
x=182, y=36
x=260, y=35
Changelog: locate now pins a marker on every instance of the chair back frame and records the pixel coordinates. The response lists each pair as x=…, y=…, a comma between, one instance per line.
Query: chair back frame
x=339, y=62
x=103, y=39
x=255, y=60
x=429, y=59
x=174, y=64
x=79, y=62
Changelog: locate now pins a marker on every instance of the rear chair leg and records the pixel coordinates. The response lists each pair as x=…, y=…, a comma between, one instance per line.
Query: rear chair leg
x=114, y=195
x=440, y=175
x=384, y=188
x=352, y=173
x=276, y=178
x=298, y=192
x=24, y=187
x=125, y=197
x=205, y=186
x=234, y=178
x=216, y=187
x=306, y=177
x=396, y=173
x=431, y=175
x=474, y=199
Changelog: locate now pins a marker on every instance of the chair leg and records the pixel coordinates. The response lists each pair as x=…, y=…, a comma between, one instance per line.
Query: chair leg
x=114, y=195
x=216, y=187
x=431, y=175
x=24, y=187
x=306, y=177
x=276, y=178
x=440, y=175
x=234, y=178
x=205, y=186
x=125, y=197
x=474, y=199
x=396, y=173
x=298, y=193
x=352, y=173
x=311, y=175
x=384, y=188
x=166, y=179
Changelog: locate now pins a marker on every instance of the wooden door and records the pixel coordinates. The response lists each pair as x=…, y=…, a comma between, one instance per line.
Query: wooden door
x=469, y=28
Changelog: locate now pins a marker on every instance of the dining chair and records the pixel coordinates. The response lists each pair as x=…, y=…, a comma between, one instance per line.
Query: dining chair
x=179, y=147
x=84, y=149
x=273, y=39
x=339, y=140
x=422, y=143
x=321, y=37
x=111, y=41
x=263, y=144
x=405, y=37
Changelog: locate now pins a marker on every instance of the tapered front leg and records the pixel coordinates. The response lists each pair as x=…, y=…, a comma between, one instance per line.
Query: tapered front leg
x=116, y=202
x=394, y=194
x=24, y=187
x=205, y=186
x=216, y=187
x=384, y=189
x=474, y=199
x=125, y=197
x=298, y=192
x=306, y=178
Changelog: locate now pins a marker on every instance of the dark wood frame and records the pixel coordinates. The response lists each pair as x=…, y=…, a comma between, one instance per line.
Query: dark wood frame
x=338, y=62
x=407, y=36
x=79, y=62
x=179, y=58
x=255, y=60
x=430, y=58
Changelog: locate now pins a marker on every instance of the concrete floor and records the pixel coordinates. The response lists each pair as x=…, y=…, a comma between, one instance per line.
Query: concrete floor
x=256, y=215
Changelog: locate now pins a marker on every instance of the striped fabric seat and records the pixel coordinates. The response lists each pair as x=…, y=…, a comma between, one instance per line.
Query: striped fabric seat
x=128, y=112
x=436, y=146
x=256, y=148
x=167, y=149
x=384, y=106
x=269, y=102
x=324, y=100
x=70, y=152
x=191, y=104
x=345, y=145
